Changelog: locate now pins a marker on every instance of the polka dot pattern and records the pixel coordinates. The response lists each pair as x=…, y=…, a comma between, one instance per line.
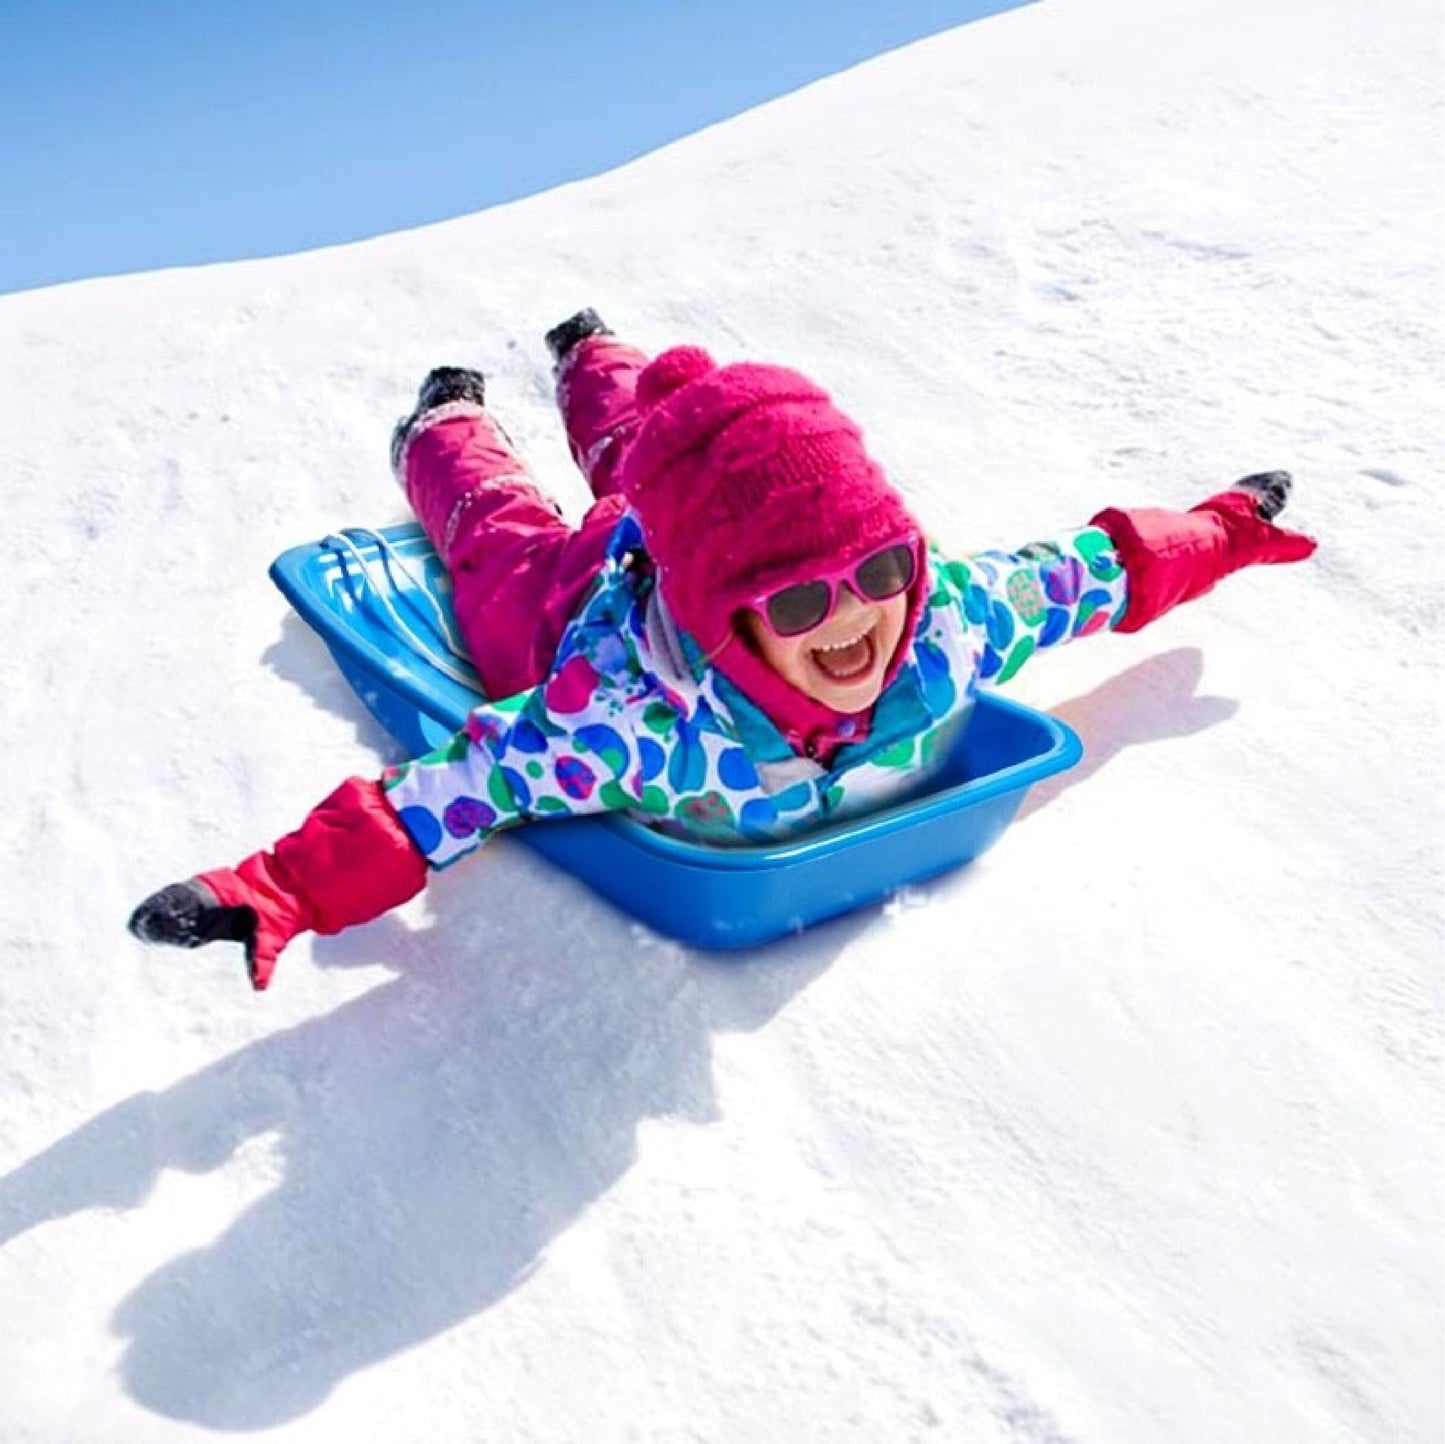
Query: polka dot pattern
x=617, y=728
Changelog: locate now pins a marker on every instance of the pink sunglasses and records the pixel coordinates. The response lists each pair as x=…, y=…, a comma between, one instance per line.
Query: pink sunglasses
x=799, y=608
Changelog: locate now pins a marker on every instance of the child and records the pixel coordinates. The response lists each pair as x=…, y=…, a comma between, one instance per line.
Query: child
x=746, y=636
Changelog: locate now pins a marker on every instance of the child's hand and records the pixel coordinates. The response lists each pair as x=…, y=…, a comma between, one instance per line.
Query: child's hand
x=187, y=915
x=1171, y=557
x=348, y=862
x=1246, y=513
x=222, y=906
x=1271, y=487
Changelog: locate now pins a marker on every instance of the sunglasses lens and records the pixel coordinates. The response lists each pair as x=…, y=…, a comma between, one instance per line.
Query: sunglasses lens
x=886, y=573
x=798, y=609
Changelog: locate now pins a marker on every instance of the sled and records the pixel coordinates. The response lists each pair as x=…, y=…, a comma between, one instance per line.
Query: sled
x=380, y=601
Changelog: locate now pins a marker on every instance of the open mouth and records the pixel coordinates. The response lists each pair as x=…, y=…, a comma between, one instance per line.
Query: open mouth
x=847, y=661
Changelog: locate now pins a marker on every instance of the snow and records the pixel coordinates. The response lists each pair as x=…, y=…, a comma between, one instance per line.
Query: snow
x=1130, y=1132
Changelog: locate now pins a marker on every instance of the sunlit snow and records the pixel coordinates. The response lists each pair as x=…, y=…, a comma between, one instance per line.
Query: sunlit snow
x=1130, y=1132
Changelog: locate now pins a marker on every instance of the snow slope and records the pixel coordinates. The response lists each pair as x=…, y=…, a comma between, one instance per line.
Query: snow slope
x=1131, y=1132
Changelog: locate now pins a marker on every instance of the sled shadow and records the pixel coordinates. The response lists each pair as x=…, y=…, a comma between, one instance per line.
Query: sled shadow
x=429, y=1139
x=300, y=657
x=1152, y=701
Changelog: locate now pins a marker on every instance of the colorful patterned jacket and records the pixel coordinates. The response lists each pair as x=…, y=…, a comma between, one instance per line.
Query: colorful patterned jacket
x=632, y=719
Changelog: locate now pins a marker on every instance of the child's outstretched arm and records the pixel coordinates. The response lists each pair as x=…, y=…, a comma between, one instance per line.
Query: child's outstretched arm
x=368, y=847
x=1125, y=570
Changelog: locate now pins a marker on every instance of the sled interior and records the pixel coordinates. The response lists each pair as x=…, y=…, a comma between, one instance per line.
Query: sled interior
x=380, y=600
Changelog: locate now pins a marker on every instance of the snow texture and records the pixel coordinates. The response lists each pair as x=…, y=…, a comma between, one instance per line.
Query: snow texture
x=1130, y=1132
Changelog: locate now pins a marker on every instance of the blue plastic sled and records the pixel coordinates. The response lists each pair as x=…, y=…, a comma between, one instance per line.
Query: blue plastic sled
x=380, y=600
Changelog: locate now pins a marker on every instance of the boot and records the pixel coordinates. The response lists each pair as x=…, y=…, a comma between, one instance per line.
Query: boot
x=443, y=385
x=566, y=334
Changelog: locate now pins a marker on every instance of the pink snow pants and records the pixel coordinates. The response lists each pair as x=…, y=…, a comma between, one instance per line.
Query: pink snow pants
x=519, y=571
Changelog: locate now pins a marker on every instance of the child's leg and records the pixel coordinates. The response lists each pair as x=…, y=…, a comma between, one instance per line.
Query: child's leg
x=595, y=387
x=518, y=570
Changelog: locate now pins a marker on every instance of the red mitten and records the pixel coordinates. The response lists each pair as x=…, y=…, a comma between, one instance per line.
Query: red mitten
x=349, y=862
x=1171, y=557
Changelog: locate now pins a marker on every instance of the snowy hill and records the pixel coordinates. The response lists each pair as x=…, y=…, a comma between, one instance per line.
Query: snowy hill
x=1131, y=1132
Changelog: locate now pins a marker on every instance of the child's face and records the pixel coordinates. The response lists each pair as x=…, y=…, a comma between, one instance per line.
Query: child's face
x=843, y=661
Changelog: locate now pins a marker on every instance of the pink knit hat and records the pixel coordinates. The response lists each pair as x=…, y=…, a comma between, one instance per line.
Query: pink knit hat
x=746, y=478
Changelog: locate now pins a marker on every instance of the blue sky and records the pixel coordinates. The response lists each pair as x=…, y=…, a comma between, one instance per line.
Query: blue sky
x=140, y=134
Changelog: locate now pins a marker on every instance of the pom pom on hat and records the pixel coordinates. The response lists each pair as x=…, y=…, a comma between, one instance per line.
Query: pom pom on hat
x=668, y=372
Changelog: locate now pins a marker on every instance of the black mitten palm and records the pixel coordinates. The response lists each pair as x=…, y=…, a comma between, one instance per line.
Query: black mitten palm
x=187, y=915
x=1271, y=487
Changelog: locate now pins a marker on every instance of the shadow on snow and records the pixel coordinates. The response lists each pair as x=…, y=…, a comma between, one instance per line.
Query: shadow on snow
x=439, y=1131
